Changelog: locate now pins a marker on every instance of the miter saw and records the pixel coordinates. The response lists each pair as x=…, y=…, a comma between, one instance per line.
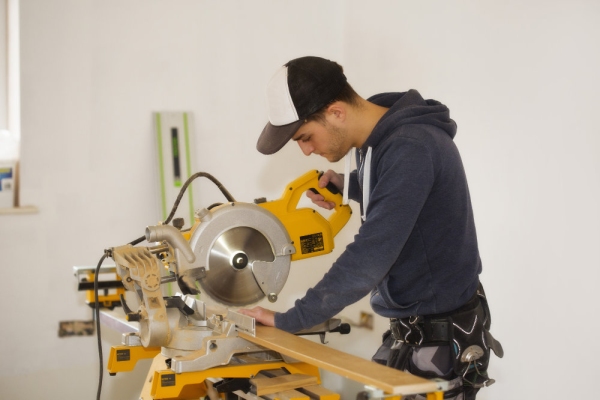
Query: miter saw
x=236, y=253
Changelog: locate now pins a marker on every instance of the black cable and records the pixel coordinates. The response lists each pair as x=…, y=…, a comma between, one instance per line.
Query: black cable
x=213, y=205
x=107, y=253
x=214, y=180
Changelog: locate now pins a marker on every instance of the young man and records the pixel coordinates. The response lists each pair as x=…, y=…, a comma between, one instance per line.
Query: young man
x=416, y=251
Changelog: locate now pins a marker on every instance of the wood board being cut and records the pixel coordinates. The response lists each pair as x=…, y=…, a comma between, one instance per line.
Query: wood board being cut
x=389, y=380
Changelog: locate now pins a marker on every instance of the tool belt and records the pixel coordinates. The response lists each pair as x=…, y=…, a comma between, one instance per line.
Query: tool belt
x=465, y=330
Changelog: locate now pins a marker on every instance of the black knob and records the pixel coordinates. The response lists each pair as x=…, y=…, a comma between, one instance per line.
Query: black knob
x=133, y=317
x=178, y=223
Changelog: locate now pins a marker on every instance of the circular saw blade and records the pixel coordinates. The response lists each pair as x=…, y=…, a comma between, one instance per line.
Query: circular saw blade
x=229, y=279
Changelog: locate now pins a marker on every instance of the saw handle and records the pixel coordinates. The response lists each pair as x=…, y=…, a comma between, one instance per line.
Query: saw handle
x=309, y=231
x=330, y=186
x=310, y=181
x=331, y=194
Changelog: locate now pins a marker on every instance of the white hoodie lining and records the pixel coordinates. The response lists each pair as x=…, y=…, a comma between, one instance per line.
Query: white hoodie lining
x=348, y=164
x=366, y=182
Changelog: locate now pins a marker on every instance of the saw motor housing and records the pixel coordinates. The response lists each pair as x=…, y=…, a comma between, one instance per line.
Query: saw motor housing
x=311, y=234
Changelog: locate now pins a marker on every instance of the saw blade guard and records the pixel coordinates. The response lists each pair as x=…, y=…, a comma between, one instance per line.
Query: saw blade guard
x=242, y=253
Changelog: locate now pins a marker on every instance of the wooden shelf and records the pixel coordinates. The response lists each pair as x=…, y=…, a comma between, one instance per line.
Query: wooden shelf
x=19, y=210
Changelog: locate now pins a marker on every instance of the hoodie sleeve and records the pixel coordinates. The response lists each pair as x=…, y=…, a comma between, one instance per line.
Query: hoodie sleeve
x=404, y=177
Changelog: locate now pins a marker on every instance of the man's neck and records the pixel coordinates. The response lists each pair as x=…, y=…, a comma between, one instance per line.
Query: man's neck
x=366, y=116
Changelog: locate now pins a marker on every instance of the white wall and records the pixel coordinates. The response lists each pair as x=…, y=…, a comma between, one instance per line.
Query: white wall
x=3, y=65
x=520, y=80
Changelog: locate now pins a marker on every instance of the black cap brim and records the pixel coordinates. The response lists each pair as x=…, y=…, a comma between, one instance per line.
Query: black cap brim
x=273, y=138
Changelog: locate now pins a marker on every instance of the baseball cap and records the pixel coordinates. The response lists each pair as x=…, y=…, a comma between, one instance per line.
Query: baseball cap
x=298, y=89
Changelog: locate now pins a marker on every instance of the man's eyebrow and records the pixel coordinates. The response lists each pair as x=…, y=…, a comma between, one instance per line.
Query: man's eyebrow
x=295, y=139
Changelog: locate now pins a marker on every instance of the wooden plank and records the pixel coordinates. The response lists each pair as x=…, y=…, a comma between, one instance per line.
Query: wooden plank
x=314, y=392
x=272, y=373
x=318, y=392
x=246, y=396
x=262, y=386
x=287, y=395
x=352, y=367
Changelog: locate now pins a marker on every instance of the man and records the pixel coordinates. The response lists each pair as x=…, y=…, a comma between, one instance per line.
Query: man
x=416, y=251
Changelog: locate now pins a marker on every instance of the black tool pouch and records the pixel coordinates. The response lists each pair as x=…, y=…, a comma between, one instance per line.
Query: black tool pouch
x=400, y=354
x=471, y=340
x=393, y=353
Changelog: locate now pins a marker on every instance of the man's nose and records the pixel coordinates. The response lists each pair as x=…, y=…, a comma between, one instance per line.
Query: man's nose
x=306, y=148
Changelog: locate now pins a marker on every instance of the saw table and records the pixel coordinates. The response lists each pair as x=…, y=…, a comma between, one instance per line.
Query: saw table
x=296, y=357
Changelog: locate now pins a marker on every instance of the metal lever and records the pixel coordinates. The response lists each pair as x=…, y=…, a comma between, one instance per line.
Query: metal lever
x=177, y=302
x=129, y=314
x=331, y=325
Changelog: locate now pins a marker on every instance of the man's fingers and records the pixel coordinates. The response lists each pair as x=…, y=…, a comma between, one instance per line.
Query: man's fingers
x=319, y=200
x=262, y=315
x=314, y=196
x=332, y=177
x=328, y=205
x=323, y=181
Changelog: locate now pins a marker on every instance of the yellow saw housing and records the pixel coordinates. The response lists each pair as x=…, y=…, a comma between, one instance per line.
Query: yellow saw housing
x=311, y=234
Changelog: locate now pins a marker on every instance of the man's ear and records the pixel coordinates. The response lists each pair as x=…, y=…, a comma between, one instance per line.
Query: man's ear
x=337, y=111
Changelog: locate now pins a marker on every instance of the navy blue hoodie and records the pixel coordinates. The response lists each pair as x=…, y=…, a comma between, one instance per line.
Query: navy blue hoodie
x=416, y=251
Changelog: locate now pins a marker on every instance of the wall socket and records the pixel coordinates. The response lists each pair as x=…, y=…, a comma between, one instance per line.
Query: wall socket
x=76, y=328
x=366, y=320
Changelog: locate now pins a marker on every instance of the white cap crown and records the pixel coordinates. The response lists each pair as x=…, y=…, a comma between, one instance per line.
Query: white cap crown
x=280, y=106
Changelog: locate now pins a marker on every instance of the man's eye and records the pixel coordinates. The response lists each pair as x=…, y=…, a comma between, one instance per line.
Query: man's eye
x=306, y=139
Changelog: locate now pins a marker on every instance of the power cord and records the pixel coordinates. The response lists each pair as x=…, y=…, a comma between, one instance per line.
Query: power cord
x=214, y=180
x=107, y=253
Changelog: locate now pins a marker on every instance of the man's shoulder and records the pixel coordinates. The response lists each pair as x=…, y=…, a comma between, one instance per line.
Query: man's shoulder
x=415, y=134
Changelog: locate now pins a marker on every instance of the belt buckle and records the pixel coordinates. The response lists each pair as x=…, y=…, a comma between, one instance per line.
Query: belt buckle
x=414, y=322
x=396, y=332
x=410, y=329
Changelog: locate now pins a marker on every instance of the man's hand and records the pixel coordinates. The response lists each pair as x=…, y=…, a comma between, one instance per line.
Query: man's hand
x=262, y=315
x=328, y=177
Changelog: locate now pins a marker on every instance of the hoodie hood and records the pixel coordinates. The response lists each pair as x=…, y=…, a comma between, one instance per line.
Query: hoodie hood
x=409, y=108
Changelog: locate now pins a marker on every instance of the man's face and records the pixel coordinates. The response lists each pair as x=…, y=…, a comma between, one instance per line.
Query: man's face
x=323, y=139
